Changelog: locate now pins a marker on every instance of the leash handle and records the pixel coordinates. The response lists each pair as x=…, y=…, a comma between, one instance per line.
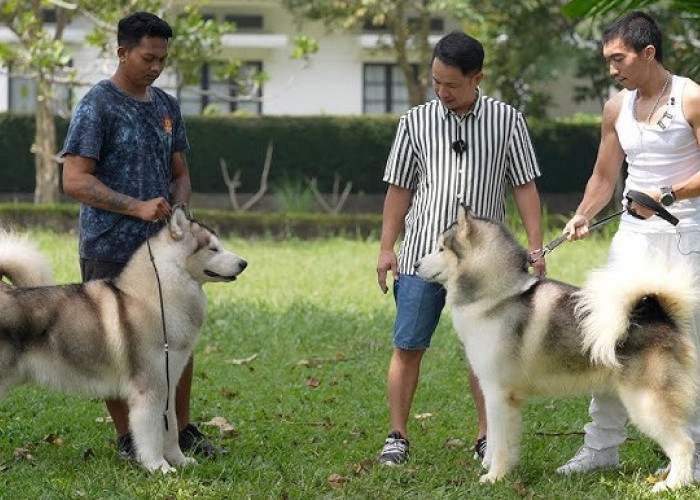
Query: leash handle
x=647, y=201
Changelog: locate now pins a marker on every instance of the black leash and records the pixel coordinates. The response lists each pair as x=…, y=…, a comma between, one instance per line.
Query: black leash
x=165, y=335
x=642, y=199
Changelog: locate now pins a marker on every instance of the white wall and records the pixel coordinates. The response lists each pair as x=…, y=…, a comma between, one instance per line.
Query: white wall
x=4, y=89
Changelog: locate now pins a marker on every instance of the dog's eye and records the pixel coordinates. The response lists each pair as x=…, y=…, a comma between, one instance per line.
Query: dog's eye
x=213, y=249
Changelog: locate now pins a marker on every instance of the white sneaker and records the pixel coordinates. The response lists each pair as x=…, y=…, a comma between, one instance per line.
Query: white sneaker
x=587, y=460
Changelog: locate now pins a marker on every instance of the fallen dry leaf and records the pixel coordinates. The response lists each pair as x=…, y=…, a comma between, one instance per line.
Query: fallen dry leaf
x=315, y=362
x=336, y=480
x=313, y=382
x=210, y=348
x=225, y=428
x=228, y=393
x=55, y=440
x=242, y=361
x=423, y=416
x=454, y=443
x=365, y=466
x=23, y=454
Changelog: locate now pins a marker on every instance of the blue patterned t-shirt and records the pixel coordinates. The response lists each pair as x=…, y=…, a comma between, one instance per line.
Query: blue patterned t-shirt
x=133, y=142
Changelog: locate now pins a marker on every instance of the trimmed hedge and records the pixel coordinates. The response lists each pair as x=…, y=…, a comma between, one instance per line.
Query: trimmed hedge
x=356, y=148
x=64, y=217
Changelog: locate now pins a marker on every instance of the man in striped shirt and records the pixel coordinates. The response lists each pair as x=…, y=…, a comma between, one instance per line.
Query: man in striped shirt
x=462, y=147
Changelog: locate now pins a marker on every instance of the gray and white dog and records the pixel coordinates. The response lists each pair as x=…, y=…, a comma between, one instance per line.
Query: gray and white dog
x=625, y=332
x=105, y=338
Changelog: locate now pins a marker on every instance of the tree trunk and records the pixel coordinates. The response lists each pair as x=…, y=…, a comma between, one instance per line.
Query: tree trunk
x=404, y=35
x=44, y=148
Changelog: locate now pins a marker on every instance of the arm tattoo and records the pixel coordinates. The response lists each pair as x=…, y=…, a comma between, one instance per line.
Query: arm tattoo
x=99, y=195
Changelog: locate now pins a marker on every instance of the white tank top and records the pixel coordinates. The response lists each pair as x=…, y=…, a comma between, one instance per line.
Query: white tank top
x=660, y=154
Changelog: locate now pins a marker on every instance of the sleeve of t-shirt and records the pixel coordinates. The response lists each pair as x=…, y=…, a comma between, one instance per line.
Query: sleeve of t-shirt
x=85, y=134
x=522, y=161
x=400, y=166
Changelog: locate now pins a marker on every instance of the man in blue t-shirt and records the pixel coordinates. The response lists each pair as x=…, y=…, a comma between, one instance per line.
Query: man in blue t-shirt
x=125, y=161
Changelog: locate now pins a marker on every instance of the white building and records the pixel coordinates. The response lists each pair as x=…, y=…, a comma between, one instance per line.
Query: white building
x=350, y=74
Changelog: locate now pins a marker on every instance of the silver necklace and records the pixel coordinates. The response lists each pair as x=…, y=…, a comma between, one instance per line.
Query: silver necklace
x=656, y=104
x=641, y=127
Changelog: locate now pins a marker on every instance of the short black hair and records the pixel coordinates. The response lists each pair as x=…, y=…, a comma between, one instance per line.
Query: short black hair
x=460, y=50
x=134, y=27
x=636, y=30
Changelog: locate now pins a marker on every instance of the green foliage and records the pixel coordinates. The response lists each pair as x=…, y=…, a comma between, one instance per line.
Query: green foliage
x=196, y=40
x=527, y=47
x=356, y=148
x=679, y=21
x=588, y=8
x=293, y=195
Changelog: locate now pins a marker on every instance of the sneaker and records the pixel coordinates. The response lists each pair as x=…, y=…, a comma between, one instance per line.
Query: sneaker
x=191, y=439
x=587, y=460
x=395, y=451
x=125, y=447
x=480, y=448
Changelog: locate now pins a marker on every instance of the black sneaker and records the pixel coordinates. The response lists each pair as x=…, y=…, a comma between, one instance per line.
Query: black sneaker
x=480, y=448
x=191, y=439
x=125, y=447
x=395, y=451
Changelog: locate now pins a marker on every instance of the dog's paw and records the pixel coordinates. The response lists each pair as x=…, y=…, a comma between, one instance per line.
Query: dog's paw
x=188, y=461
x=660, y=486
x=490, y=477
x=159, y=465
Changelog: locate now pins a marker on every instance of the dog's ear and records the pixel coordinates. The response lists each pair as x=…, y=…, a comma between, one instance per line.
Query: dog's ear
x=179, y=221
x=185, y=208
x=463, y=215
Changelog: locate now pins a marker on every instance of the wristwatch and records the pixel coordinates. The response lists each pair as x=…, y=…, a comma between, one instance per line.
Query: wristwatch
x=668, y=197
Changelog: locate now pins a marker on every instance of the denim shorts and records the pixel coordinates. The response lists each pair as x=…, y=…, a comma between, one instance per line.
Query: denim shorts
x=418, y=307
x=91, y=269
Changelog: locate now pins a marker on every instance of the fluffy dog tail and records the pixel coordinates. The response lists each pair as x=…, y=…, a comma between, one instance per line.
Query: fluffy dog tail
x=610, y=295
x=22, y=263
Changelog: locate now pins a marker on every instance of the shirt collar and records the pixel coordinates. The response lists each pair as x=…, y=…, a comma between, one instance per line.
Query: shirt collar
x=476, y=109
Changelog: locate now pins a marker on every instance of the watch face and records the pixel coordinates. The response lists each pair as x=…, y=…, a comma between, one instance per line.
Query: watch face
x=667, y=199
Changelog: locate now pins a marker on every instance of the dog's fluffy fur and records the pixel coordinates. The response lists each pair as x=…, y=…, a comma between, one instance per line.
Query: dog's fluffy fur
x=105, y=338
x=626, y=332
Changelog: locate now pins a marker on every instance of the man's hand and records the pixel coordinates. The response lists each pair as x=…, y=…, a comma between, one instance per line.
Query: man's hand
x=539, y=267
x=576, y=228
x=386, y=262
x=154, y=209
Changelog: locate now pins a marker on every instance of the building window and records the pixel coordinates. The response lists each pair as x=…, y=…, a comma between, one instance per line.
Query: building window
x=214, y=94
x=246, y=22
x=384, y=89
x=436, y=25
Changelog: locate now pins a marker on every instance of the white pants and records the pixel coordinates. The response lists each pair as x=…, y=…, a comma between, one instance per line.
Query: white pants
x=608, y=415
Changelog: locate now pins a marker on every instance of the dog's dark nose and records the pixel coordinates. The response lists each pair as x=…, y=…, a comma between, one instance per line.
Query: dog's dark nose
x=416, y=265
x=244, y=264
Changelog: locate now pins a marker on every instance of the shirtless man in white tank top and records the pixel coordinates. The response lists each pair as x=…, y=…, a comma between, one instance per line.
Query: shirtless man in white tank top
x=654, y=125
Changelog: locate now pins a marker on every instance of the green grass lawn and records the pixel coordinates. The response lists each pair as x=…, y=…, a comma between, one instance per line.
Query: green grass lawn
x=309, y=409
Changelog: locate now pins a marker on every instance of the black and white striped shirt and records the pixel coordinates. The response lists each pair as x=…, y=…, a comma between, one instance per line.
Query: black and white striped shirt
x=498, y=153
